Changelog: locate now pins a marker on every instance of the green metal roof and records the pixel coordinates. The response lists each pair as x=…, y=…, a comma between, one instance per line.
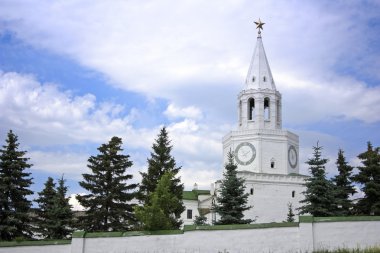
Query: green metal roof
x=193, y=195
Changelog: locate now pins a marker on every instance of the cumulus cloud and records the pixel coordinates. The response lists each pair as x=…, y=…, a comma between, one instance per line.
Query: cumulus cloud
x=191, y=112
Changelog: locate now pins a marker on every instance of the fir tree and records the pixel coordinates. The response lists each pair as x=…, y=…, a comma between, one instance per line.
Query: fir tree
x=107, y=206
x=200, y=220
x=343, y=185
x=369, y=178
x=290, y=215
x=54, y=215
x=45, y=220
x=161, y=162
x=14, y=190
x=62, y=213
x=157, y=213
x=319, y=195
x=231, y=199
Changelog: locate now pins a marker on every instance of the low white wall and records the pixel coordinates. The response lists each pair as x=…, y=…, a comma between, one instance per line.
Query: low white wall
x=244, y=240
x=330, y=235
x=304, y=238
x=37, y=249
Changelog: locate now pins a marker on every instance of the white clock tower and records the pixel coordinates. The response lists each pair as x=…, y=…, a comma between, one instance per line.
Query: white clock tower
x=267, y=155
x=260, y=144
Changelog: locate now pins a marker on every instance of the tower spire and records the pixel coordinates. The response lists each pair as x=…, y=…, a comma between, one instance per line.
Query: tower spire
x=259, y=75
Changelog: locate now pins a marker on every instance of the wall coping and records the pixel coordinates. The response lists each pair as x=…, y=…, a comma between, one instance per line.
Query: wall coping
x=312, y=219
x=33, y=243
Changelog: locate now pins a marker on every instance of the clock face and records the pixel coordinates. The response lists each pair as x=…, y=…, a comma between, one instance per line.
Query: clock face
x=245, y=153
x=292, y=156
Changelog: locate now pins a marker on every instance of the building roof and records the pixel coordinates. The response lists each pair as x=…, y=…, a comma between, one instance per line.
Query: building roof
x=259, y=74
x=193, y=195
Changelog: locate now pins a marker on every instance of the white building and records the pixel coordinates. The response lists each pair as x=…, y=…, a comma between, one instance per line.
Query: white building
x=266, y=155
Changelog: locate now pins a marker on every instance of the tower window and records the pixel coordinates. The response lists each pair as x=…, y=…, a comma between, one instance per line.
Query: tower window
x=264, y=79
x=189, y=213
x=272, y=165
x=251, y=109
x=240, y=112
x=253, y=79
x=251, y=191
x=266, y=109
x=293, y=194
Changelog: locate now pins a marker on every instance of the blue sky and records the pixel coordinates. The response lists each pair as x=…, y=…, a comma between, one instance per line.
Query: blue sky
x=75, y=73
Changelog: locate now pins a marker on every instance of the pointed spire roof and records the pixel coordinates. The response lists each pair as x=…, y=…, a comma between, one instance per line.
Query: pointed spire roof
x=259, y=75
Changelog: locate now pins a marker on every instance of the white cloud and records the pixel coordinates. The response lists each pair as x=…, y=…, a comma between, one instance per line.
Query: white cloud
x=76, y=206
x=190, y=112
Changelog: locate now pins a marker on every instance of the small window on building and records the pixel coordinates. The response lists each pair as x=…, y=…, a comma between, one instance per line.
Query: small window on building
x=189, y=213
x=293, y=194
x=251, y=191
x=253, y=79
x=264, y=79
x=272, y=165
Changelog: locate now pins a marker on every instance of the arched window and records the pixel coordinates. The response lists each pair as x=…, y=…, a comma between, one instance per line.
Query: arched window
x=251, y=191
x=264, y=79
x=272, y=163
x=293, y=194
x=266, y=109
x=251, y=109
x=278, y=112
x=240, y=112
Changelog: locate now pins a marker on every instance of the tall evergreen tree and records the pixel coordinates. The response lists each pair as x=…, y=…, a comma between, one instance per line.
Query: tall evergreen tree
x=157, y=213
x=319, y=195
x=161, y=162
x=107, y=207
x=45, y=220
x=14, y=190
x=369, y=178
x=343, y=185
x=62, y=212
x=231, y=199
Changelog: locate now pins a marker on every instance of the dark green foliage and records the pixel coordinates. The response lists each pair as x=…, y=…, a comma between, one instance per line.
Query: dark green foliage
x=343, y=185
x=161, y=162
x=290, y=215
x=62, y=212
x=14, y=189
x=45, y=220
x=200, y=220
x=319, y=195
x=54, y=215
x=107, y=207
x=231, y=199
x=157, y=213
x=369, y=178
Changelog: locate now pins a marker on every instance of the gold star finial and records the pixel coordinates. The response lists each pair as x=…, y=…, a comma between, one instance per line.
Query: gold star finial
x=259, y=25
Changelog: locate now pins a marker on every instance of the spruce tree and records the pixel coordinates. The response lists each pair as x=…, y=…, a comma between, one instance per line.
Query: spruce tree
x=343, y=185
x=369, y=178
x=157, y=213
x=161, y=162
x=231, y=199
x=14, y=190
x=107, y=207
x=319, y=195
x=54, y=215
x=62, y=213
x=45, y=220
x=290, y=215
